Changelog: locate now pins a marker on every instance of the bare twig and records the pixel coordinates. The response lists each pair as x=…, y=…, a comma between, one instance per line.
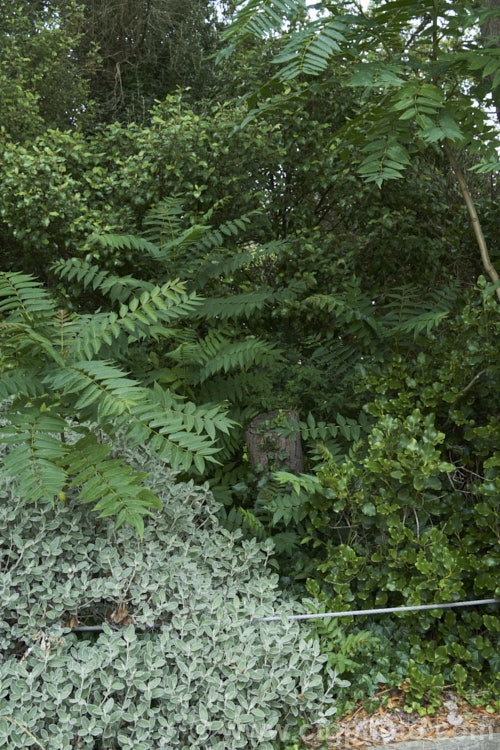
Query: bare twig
x=483, y=248
x=476, y=377
x=14, y=721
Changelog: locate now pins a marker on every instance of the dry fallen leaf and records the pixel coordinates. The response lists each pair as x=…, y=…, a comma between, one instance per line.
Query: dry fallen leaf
x=120, y=614
x=454, y=720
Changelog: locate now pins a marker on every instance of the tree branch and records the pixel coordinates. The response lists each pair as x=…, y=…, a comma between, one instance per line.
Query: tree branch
x=483, y=248
x=469, y=386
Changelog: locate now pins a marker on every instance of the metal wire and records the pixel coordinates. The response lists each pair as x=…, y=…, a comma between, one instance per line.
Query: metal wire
x=382, y=611
x=115, y=628
x=319, y=615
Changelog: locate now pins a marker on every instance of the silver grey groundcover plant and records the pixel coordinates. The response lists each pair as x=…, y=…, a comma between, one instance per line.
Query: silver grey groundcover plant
x=205, y=677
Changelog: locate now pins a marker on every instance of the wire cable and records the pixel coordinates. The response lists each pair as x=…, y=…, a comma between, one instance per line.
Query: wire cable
x=381, y=611
x=278, y=618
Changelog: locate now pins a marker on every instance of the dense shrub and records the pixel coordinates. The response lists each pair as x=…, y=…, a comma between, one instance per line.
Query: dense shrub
x=63, y=187
x=409, y=514
x=205, y=676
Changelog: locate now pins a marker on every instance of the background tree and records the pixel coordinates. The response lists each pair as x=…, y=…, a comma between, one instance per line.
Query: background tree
x=490, y=30
x=43, y=72
x=147, y=50
x=414, y=63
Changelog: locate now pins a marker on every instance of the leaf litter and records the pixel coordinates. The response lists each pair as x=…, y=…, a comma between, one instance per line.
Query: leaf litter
x=391, y=723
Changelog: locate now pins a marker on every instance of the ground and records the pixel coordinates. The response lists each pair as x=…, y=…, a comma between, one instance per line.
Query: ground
x=391, y=723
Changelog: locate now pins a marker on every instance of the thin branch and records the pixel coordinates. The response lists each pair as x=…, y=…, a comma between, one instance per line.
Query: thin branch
x=418, y=30
x=476, y=377
x=483, y=248
x=21, y=726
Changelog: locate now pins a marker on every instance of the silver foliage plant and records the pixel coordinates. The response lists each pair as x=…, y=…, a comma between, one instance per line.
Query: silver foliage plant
x=205, y=677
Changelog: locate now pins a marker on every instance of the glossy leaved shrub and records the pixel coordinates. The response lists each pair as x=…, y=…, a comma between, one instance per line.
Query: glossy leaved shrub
x=206, y=676
x=408, y=515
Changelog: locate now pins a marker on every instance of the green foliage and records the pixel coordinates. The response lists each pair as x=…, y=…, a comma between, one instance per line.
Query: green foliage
x=416, y=94
x=58, y=377
x=402, y=101
x=64, y=188
x=409, y=514
x=322, y=292
x=179, y=662
x=210, y=355
x=364, y=657
x=43, y=70
x=88, y=63
x=149, y=51
x=360, y=334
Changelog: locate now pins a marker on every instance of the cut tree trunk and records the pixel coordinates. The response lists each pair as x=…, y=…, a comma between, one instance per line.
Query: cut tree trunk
x=268, y=448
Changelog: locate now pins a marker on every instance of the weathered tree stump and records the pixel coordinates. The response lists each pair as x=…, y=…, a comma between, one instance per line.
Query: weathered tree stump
x=268, y=447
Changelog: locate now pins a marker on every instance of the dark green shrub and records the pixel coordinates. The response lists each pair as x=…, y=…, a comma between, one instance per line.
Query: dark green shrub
x=409, y=515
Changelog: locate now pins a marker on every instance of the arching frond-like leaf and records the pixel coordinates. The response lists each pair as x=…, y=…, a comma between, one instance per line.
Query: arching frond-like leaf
x=351, y=307
x=258, y=18
x=236, y=387
x=142, y=317
x=91, y=333
x=163, y=222
x=97, y=384
x=229, y=229
x=124, y=242
x=310, y=50
x=119, y=288
x=27, y=342
x=407, y=313
x=237, y=354
x=162, y=303
x=22, y=295
x=254, y=524
x=186, y=239
x=21, y=382
x=216, y=264
x=50, y=366
x=220, y=353
x=34, y=459
x=110, y=484
x=235, y=306
x=172, y=428
x=177, y=429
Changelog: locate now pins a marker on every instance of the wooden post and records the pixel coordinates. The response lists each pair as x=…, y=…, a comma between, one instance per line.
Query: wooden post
x=268, y=447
